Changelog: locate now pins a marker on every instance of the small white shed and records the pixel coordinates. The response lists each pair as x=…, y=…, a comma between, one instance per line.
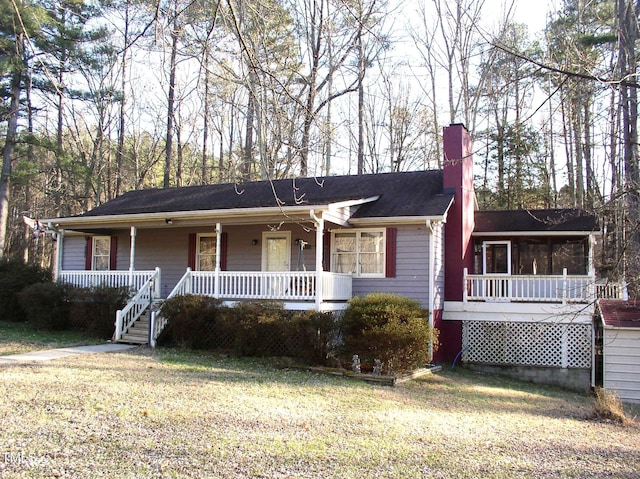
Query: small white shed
x=618, y=343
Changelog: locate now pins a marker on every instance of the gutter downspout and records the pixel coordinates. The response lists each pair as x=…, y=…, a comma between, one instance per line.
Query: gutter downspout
x=432, y=281
x=319, y=222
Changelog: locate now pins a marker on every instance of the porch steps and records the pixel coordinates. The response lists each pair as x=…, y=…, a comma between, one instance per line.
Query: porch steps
x=139, y=332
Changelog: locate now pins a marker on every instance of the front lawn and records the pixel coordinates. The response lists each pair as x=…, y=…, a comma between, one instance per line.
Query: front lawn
x=20, y=337
x=169, y=413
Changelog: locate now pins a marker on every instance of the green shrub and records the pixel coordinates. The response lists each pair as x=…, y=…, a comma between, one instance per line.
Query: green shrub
x=14, y=277
x=258, y=328
x=190, y=319
x=94, y=309
x=46, y=305
x=391, y=328
x=59, y=306
x=310, y=334
x=248, y=329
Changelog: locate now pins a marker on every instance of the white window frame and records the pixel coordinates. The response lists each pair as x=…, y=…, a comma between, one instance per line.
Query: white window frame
x=94, y=256
x=506, y=243
x=358, y=273
x=198, y=237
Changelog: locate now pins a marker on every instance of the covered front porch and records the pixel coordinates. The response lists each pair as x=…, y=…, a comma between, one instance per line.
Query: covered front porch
x=299, y=290
x=239, y=260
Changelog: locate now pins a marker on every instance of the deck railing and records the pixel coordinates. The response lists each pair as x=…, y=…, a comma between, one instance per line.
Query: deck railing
x=112, y=279
x=563, y=288
x=280, y=285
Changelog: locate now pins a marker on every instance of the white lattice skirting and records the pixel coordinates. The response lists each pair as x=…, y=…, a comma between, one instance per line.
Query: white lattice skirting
x=527, y=344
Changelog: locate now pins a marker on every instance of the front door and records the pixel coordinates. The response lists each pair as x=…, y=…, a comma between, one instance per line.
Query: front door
x=276, y=256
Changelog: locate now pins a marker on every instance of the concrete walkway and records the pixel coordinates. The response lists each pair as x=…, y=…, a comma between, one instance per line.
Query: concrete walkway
x=49, y=354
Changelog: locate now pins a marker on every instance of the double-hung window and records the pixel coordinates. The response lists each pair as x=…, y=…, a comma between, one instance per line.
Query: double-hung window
x=359, y=252
x=101, y=253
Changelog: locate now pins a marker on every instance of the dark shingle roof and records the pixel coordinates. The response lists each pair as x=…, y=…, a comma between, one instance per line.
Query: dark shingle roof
x=417, y=193
x=551, y=220
x=620, y=314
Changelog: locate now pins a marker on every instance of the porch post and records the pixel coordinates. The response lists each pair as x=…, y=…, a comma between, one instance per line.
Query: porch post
x=216, y=286
x=319, y=255
x=132, y=255
x=59, y=251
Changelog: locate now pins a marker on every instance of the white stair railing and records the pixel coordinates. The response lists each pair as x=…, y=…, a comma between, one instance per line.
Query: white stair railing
x=137, y=305
x=157, y=322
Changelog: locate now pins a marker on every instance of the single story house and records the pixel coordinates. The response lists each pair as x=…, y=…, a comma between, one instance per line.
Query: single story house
x=505, y=289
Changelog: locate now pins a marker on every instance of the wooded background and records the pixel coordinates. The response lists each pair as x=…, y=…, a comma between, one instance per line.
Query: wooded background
x=99, y=98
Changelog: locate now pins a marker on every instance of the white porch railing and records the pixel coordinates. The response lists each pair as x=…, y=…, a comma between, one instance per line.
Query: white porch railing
x=280, y=285
x=539, y=288
x=136, y=306
x=112, y=279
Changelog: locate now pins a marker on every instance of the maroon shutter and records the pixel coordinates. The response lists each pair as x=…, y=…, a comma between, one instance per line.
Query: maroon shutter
x=88, y=255
x=113, y=254
x=390, y=261
x=326, y=256
x=223, y=250
x=191, y=260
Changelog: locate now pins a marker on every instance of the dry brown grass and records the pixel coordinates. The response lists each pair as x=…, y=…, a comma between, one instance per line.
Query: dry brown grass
x=174, y=414
x=608, y=406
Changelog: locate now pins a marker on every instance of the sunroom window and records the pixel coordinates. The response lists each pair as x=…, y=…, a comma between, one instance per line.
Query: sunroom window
x=359, y=252
x=101, y=253
x=206, y=252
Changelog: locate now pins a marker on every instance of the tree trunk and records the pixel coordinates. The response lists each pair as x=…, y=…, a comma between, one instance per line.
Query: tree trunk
x=123, y=104
x=247, y=154
x=7, y=152
x=361, y=72
x=627, y=15
x=171, y=103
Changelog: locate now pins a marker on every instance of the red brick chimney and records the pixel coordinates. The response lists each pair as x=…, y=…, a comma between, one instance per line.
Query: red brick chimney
x=457, y=179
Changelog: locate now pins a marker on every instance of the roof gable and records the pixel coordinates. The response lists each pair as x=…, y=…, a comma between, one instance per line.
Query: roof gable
x=417, y=193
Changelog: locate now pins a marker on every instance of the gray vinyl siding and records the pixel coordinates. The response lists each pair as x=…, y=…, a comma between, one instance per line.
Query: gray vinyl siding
x=622, y=363
x=168, y=249
x=412, y=268
x=242, y=255
x=73, y=253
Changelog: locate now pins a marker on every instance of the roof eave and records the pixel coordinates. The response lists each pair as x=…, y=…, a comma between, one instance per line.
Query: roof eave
x=160, y=218
x=534, y=233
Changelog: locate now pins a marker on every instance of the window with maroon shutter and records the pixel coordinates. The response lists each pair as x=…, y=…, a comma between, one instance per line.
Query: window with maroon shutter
x=113, y=254
x=191, y=258
x=88, y=254
x=362, y=252
x=202, y=251
x=390, y=252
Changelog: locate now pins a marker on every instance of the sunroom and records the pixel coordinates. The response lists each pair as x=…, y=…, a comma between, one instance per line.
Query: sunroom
x=536, y=256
